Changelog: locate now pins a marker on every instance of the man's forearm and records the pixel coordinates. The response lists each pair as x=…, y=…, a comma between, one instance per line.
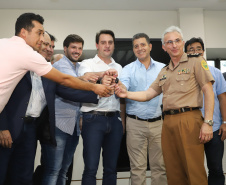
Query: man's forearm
x=122, y=85
x=76, y=83
x=209, y=101
x=142, y=95
x=69, y=81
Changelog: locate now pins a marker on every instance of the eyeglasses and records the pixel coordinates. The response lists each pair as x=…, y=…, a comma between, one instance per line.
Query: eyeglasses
x=197, y=50
x=170, y=42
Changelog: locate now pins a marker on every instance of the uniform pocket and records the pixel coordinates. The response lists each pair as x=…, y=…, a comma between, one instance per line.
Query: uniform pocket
x=183, y=82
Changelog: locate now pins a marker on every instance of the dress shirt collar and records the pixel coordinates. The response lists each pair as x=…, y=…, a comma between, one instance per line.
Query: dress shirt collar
x=183, y=58
x=140, y=64
x=97, y=59
x=75, y=67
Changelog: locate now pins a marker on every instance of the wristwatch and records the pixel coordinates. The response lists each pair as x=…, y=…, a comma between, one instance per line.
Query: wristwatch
x=209, y=122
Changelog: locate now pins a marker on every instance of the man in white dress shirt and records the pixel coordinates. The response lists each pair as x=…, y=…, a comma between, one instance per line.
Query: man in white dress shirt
x=102, y=126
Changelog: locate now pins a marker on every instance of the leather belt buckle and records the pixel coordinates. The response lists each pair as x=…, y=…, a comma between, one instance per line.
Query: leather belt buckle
x=183, y=110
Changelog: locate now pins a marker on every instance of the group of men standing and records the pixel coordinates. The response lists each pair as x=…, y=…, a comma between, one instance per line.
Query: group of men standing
x=174, y=146
x=30, y=100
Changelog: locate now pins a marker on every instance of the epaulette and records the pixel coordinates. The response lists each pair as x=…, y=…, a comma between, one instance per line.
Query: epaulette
x=194, y=55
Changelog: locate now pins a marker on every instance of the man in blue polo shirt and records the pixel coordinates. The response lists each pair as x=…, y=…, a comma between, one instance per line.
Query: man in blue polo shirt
x=214, y=149
x=143, y=122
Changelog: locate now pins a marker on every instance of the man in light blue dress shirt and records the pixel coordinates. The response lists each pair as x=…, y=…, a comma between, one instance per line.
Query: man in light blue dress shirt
x=143, y=122
x=214, y=149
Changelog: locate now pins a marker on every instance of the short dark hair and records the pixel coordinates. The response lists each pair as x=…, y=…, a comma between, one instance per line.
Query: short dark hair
x=109, y=32
x=25, y=21
x=71, y=39
x=141, y=35
x=193, y=40
x=52, y=38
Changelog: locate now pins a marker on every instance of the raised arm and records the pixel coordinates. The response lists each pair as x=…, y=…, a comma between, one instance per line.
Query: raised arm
x=76, y=83
x=137, y=96
x=76, y=95
x=95, y=76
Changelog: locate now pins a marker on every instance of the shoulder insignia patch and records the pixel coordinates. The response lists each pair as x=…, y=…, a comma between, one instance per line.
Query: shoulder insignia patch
x=193, y=55
x=204, y=65
x=163, y=77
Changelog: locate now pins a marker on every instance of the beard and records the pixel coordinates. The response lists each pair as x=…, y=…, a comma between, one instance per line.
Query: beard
x=69, y=56
x=71, y=59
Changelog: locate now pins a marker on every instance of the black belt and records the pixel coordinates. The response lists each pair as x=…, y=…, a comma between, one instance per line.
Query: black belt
x=103, y=113
x=148, y=120
x=29, y=119
x=181, y=110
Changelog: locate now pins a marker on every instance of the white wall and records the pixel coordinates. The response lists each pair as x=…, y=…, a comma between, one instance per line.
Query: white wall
x=86, y=23
x=124, y=23
x=215, y=29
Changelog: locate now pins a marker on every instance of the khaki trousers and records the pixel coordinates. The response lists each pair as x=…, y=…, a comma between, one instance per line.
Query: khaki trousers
x=145, y=138
x=182, y=151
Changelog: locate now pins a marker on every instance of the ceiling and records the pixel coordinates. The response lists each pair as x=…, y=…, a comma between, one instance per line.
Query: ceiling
x=145, y=5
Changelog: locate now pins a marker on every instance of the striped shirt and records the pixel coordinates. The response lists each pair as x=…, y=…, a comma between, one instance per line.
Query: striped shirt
x=67, y=112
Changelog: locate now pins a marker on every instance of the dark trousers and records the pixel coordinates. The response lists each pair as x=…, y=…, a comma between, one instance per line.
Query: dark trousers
x=214, y=154
x=101, y=132
x=18, y=162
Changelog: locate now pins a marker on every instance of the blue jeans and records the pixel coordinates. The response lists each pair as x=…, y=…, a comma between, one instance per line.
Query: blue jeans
x=106, y=132
x=57, y=159
x=214, y=154
x=19, y=160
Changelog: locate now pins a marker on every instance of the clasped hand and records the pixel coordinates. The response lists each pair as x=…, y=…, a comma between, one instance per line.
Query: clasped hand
x=110, y=79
